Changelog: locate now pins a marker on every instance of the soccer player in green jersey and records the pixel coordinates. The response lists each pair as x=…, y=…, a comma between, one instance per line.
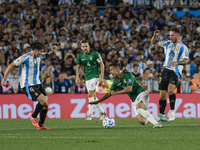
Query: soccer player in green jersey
x=91, y=60
x=125, y=83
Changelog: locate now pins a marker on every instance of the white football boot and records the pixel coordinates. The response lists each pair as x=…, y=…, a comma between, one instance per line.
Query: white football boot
x=172, y=115
x=102, y=116
x=89, y=117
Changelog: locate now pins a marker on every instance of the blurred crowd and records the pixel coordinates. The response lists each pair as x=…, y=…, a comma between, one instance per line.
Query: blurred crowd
x=120, y=31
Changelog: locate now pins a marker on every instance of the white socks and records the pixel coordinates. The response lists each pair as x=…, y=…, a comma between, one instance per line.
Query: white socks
x=99, y=106
x=147, y=115
x=91, y=107
x=156, y=118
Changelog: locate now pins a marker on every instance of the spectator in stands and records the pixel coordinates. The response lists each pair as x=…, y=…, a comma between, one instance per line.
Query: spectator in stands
x=57, y=70
x=48, y=85
x=102, y=86
x=68, y=69
x=195, y=83
x=159, y=4
x=185, y=84
x=125, y=64
x=144, y=85
x=147, y=78
x=150, y=66
x=81, y=87
x=194, y=4
x=122, y=31
x=63, y=85
x=157, y=65
x=8, y=89
x=197, y=53
x=14, y=80
x=135, y=72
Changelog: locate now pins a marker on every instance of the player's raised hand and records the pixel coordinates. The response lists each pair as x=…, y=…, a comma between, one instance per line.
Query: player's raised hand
x=173, y=63
x=55, y=48
x=157, y=32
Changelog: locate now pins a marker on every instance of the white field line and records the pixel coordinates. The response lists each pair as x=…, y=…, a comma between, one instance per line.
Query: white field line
x=51, y=137
x=116, y=126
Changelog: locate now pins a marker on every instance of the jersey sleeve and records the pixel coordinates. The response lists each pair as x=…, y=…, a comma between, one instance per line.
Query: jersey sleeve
x=79, y=59
x=161, y=43
x=20, y=60
x=98, y=57
x=113, y=87
x=185, y=52
x=129, y=79
x=43, y=55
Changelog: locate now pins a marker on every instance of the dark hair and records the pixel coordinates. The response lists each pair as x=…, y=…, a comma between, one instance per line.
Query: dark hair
x=115, y=65
x=146, y=69
x=175, y=29
x=37, y=45
x=85, y=41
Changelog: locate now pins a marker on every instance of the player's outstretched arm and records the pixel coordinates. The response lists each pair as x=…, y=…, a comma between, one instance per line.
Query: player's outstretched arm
x=8, y=70
x=106, y=96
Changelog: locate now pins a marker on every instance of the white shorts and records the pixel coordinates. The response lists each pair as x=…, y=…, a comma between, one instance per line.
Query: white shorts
x=142, y=97
x=92, y=84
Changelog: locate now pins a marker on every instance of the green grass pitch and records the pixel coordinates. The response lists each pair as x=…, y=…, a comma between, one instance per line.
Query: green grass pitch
x=79, y=134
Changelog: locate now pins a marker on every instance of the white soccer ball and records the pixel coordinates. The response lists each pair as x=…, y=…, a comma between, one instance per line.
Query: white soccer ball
x=108, y=123
x=48, y=89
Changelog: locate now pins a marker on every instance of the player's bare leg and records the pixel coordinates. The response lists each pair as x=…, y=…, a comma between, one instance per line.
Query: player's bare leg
x=172, y=99
x=144, y=116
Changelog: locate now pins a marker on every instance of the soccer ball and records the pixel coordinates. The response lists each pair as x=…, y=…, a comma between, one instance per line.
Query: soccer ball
x=108, y=123
x=48, y=89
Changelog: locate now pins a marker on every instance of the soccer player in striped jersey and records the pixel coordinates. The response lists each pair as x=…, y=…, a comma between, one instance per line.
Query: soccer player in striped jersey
x=29, y=65
x=176, y=55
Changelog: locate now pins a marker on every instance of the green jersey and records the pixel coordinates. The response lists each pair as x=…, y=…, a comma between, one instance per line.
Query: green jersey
x=90, y=63
x=128, y=79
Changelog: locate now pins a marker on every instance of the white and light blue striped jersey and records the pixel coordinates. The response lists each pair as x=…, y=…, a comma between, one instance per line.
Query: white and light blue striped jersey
x=28, y=69
x=186, y=87
x=174, y=52
x=64, y=2
x=142, y=65
x=130, y=2
x=148, y=82
x=140, y=2
x=159, y=4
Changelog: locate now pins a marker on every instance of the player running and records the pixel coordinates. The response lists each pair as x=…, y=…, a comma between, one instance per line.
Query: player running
x=125, y=83
x=176, y=55
x=29, y=65
x=91, y=60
